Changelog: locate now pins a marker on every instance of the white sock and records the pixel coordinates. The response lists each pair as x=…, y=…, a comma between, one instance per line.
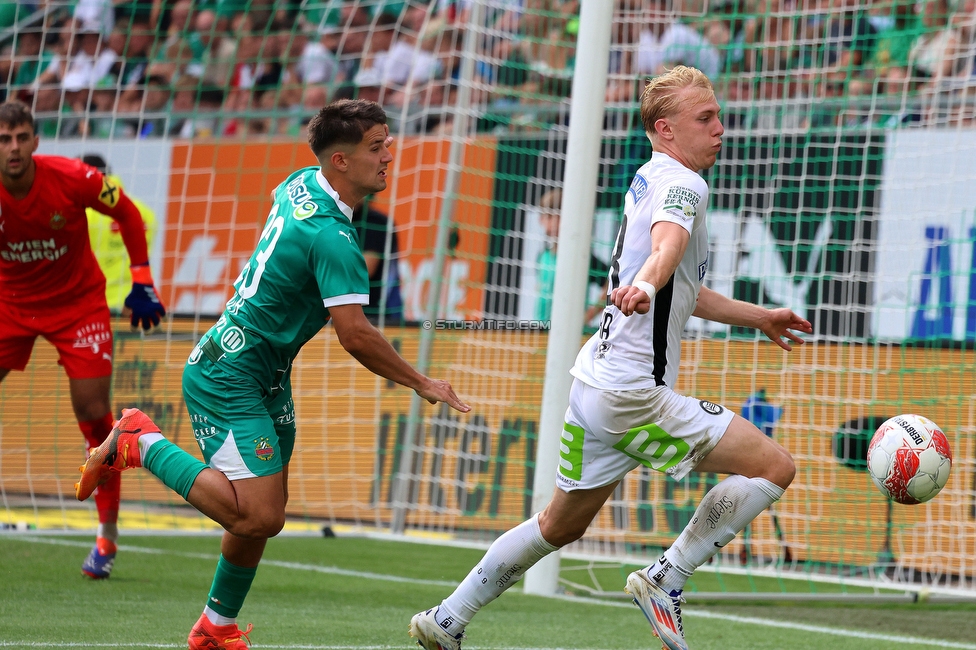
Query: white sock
x=108, y=531
x=146, y=441
x=216, y=618
x=724, y=511
x=504, y=564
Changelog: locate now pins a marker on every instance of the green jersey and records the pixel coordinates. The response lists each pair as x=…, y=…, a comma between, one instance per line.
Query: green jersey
x=307, y=260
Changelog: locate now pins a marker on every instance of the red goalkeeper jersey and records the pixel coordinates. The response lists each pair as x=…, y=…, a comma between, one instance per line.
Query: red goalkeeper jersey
x=45, y=255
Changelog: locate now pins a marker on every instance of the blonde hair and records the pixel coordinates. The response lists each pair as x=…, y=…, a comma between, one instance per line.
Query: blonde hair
x=660, y=96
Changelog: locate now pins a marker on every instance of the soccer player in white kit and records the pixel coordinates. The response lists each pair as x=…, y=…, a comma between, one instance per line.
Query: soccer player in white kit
x=623, y=409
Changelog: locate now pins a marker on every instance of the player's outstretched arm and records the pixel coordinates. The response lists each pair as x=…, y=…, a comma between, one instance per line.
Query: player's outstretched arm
x=142, y=305
x=364, y=342
x=777, y=324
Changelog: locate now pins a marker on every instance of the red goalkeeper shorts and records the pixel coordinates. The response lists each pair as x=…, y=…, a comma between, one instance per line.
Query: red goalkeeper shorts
x=82, y=334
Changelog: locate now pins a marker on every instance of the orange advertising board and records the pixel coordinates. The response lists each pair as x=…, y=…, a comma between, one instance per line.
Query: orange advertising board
x=219, y=197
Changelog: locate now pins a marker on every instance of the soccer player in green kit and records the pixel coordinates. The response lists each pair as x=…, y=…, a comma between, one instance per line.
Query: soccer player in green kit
x=307, y=268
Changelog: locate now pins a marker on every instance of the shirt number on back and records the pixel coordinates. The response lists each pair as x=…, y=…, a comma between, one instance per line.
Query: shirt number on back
x=251, y=276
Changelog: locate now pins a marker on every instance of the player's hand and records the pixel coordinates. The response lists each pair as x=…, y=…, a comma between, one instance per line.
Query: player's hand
x=778, y=323
x=630, y=300
x=143, y=304
x=438, y=390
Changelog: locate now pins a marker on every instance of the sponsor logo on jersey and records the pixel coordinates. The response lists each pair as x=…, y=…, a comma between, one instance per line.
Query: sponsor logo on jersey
x=300, y=199
x=33, y=250
x=710, y=407
x=263, y=449
x=109, y=194
x=638, y=188
x=57, y=221
x=702, y=269
x=683, y=199
x=346, y=235
x=232, y=339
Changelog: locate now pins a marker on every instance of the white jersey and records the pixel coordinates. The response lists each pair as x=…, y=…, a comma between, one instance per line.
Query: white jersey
x=644, y=350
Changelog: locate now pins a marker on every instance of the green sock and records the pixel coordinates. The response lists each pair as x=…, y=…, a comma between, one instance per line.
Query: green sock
x=173, y=466
x=229, y=589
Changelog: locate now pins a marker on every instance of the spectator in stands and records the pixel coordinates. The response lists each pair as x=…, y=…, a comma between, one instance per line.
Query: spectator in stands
x=188, y=45
x=932, y=55
x=100, y=121
x=31, y=58
x=964, y=22
x=665, y=42
x=196, y=110
x=546, y=52
x=258, y=69
x=99, y=14
x=172, y=21
x=90, y=61
x=397, y=58
x=347, y=38
x=135, y=47
x=725, y=30
x=155, y=115
x=770, y=39
x=622, y=83
x=313, y=99
x=150, y=104
x=889, y=60
x=314, y=62
x=848, y=38
x=377, y=48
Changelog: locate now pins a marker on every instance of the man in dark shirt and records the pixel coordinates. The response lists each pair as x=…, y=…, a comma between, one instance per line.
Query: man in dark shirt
x=372, y=226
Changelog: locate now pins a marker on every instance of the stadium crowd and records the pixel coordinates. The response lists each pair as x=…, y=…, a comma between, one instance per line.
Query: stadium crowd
x=199, y=68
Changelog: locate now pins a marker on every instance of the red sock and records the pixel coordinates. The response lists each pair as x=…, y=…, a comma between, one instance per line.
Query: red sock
x=106, y=496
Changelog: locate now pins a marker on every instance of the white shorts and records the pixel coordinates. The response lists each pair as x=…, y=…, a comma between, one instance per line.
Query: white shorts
x=607, y=433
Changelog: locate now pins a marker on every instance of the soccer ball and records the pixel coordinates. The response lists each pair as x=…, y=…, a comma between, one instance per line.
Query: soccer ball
x=909, y=459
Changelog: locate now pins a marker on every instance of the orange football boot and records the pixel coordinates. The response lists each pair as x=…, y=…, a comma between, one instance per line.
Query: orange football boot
x=117, y=453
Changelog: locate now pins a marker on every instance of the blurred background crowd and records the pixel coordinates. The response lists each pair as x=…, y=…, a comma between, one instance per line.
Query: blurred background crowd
x=205, y=68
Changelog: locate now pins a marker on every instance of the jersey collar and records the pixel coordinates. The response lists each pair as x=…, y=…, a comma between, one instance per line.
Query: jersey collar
x=324, y=184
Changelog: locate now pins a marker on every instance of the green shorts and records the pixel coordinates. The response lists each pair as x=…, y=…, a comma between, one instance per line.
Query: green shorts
x=243, y=429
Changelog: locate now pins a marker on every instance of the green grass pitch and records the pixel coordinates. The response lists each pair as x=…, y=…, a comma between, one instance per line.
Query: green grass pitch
x=359, y=593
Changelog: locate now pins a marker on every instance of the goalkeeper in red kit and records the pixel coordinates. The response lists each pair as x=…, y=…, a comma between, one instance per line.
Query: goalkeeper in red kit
x=51, y=286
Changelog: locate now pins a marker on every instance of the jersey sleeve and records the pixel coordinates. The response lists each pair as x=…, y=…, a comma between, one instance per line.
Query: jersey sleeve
x=339, y=268
x=678, y=201
x=104, y=194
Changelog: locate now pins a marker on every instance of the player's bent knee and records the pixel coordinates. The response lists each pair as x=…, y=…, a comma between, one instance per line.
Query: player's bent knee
x=783, y=471
x=257, y=527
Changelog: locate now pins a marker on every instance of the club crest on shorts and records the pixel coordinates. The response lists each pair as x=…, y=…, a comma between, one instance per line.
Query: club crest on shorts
x=710, y=407
x=263, y=449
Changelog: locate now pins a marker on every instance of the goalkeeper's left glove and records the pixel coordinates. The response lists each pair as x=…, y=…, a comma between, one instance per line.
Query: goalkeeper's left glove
x=144, y=300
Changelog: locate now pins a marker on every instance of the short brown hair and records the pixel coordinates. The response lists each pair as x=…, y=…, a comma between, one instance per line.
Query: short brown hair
x=15, y=113
x=660, y=96
x=344, y=121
